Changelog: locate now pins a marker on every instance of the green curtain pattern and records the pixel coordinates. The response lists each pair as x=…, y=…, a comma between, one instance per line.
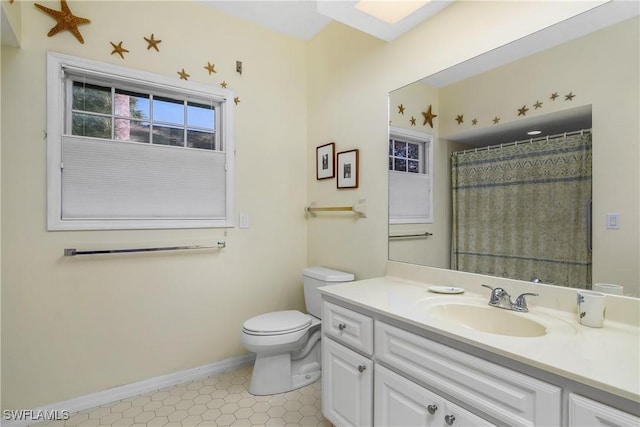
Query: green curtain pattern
x=521, y=211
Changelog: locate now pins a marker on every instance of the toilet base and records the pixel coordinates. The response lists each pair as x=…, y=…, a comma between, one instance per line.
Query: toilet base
x=273, y=374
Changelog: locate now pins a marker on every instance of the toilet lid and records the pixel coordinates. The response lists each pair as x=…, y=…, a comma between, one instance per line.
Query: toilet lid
x=278, y=322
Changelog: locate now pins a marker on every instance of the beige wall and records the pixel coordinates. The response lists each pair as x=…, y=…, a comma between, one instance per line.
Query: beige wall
x=348, y=103
x=584, y=67
x=75, y=326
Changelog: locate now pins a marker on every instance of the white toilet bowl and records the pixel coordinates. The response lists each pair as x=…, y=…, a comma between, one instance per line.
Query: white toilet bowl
x=287, y=343
x=287, y=347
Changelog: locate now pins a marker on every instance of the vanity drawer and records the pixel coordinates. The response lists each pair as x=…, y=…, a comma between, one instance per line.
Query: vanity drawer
x=501, y=393
x=348, y=327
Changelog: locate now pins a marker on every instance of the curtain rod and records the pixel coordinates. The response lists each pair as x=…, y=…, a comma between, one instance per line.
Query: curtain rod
x=524, y=141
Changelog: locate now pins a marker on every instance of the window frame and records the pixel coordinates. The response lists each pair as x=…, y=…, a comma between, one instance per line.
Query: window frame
x=426, y=164
x=128, y=79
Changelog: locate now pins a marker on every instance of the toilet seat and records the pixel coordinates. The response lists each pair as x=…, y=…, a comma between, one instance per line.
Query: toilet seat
x=277, y=323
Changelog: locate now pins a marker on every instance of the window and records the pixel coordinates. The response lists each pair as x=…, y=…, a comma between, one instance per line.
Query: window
x=129, y=149
x=406, y=156
x=410, y=177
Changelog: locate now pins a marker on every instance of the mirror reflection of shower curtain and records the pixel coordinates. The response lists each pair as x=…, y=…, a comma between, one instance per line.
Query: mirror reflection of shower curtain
x=522, y=211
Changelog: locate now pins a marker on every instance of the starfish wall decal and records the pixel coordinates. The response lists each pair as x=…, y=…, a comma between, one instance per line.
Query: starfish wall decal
x=223, y=85
x=210, y=68
x=538, y=104
x=412, y=121
x=401, y=109
x=523, y=111
x=460, y=118
x=236, y=100
x=554, y=95
x=569, y=97
x=117, y=48
x=152, y=43
x=66, y=20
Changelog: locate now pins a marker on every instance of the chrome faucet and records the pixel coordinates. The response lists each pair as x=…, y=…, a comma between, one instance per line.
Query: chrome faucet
x=501, y=299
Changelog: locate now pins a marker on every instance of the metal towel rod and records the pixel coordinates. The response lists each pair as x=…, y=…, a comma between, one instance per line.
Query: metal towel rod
x=400, y=236
x=75, y=252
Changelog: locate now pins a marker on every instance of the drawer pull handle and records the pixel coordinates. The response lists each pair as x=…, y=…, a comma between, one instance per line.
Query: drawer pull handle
x=432, y=409
x=342, y=326
x=449, y=419
x=361, y=368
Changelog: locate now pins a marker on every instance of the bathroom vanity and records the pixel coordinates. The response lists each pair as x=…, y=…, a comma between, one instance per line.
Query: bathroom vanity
x=396, y=354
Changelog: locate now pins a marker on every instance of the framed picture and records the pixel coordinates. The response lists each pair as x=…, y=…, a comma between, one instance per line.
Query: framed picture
x=348, y=169
x=325, y=161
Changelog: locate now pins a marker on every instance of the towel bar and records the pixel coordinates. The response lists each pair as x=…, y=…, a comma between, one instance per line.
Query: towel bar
x=75, y=252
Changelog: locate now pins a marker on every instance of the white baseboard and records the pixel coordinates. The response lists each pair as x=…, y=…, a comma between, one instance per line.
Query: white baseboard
x=114, y=394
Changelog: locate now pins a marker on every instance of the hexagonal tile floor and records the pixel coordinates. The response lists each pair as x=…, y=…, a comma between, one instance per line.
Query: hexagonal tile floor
x=221, y=400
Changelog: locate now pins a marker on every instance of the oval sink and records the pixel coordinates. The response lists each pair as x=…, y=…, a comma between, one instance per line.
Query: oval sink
x=487, y=319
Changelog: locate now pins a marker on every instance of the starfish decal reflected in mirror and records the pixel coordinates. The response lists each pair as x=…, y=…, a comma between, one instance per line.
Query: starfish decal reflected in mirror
x=428, y=117
x=183, y=75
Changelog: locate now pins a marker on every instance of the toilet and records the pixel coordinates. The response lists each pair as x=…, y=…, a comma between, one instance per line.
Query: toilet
x=287, y=343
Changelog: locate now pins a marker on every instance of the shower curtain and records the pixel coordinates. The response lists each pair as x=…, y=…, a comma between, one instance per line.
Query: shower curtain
x=522, y=211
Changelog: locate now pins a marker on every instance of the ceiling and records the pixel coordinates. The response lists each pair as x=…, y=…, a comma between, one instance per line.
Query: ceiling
x=303, y=19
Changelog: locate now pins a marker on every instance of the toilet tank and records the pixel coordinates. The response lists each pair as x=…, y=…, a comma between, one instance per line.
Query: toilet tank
x=314, y=277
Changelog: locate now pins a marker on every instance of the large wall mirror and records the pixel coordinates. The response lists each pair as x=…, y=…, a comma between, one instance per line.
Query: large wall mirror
x=515, y=163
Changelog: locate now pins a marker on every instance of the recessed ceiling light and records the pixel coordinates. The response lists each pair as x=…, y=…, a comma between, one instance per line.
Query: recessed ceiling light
x=390, y=11
x=534, y=132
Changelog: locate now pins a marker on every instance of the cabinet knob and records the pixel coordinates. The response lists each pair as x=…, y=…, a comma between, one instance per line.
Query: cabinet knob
x=342, y=326
x=432, y=409
x=449, y=419
x=361, y=368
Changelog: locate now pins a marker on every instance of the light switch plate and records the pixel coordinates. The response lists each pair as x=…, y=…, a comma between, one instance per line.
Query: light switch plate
x=613, y=221
x=244, y=220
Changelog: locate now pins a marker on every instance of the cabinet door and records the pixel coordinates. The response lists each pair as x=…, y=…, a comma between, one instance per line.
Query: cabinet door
x=585, y=412
x=456, y=416
x=400, y=402
x=347, y=385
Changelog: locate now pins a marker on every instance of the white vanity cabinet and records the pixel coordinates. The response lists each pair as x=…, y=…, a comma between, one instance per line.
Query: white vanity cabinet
x=506, y=395
x=379, y=371
x=347, y=366
x=400, y=402
x=585, y=412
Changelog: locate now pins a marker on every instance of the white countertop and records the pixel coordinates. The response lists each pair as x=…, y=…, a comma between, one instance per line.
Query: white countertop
x=606, y=358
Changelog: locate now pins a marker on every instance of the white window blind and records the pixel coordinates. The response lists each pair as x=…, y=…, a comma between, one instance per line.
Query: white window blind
x=124, y=180
x=409, y=197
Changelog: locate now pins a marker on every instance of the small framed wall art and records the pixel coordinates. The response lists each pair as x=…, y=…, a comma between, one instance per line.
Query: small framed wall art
x=325, y=161
x=348, y=169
